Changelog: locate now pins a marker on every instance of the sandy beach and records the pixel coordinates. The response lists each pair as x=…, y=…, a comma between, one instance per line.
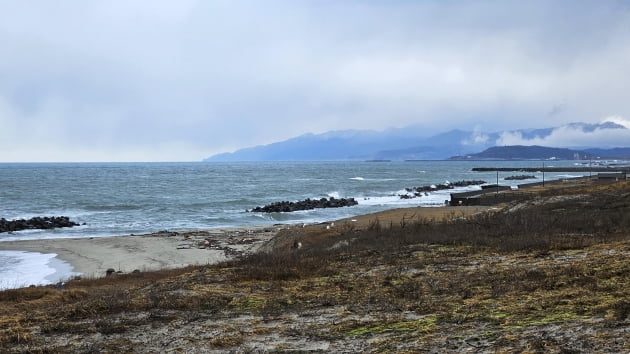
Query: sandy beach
x=94, y=256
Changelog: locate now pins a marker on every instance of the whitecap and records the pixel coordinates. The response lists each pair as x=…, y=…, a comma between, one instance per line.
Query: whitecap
x=358, y=178
x=334, y=194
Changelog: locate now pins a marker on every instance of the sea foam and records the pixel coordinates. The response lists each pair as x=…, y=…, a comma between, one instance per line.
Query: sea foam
x=21, y=269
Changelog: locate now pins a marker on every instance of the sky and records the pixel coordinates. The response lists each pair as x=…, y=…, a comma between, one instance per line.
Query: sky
x=182, y=80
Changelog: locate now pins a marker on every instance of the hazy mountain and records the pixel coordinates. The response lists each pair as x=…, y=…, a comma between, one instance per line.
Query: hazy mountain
x=519, y=152
x=614, y=153
x=410, y=143
x=534, y=152
x=334, y=145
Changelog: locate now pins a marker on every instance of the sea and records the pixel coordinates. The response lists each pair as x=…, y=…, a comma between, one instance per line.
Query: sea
x=119, y=199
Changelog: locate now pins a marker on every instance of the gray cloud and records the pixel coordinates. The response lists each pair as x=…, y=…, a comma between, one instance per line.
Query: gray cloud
x=568, y=136
x=165, y=80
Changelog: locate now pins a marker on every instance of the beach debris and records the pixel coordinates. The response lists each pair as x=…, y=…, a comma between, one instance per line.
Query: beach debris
x=38, y=222
x=203, y=243
x=232, y=252
x=184, y=246
x=166, y=233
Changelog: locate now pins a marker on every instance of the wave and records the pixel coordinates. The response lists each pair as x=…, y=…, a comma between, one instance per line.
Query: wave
x=21, y=269
x=114, y=207
x=568, y=176
x=395, y=200
x=379, y=179
x=71, y=213
x=433, y=198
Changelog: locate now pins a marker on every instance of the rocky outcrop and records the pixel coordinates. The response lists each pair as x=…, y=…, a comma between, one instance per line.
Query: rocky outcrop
x=415, y=192
x=306, y=204
x=47, y=222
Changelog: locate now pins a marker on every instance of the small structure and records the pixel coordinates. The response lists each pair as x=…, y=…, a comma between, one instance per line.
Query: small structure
x=611, y=177
x=477, y=197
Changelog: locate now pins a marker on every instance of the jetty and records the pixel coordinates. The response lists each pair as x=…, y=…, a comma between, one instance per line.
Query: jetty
x=496, y=194
x=36, y=223
x=624, y=169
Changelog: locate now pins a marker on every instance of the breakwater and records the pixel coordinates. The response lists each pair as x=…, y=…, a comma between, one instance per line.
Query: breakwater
x=415, y=192
x=519, y=178
x=553, y=169
x=307, y=204
x=42, y=223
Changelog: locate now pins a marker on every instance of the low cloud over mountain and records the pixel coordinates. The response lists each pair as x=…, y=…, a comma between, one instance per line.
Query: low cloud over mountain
x=410, y=143
x=613, y=132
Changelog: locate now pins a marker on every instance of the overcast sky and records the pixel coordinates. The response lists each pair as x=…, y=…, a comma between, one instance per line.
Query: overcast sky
x=181, y=80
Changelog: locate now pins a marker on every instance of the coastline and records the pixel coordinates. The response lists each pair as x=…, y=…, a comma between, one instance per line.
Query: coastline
x=530, y=274
x=92, y=257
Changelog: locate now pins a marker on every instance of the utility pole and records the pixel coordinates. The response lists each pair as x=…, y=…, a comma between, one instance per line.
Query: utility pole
x=497, y=182
x=543, y=170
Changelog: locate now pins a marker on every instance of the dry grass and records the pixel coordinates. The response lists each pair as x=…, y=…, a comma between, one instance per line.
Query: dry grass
x=547, y=275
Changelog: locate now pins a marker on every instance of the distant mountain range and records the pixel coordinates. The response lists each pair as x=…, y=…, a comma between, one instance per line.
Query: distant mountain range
x=412, y=143
x=534, y=152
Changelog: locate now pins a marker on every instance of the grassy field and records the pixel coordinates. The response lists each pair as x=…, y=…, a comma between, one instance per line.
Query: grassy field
x=550, y=274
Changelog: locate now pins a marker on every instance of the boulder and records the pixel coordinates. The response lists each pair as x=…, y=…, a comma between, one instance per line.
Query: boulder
x=419, y=191
x=307, y=204
x=519, y=178
x=44, y=223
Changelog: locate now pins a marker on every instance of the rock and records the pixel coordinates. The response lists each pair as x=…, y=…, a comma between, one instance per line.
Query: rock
x=307, y=204
x=44, y=223
x=423, y=190
x=519, y=178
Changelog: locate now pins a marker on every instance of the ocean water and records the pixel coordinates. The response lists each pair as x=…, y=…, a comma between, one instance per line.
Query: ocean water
x=114, y=199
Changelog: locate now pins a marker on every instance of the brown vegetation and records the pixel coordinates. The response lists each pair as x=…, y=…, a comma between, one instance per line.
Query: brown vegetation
x=547, y=275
